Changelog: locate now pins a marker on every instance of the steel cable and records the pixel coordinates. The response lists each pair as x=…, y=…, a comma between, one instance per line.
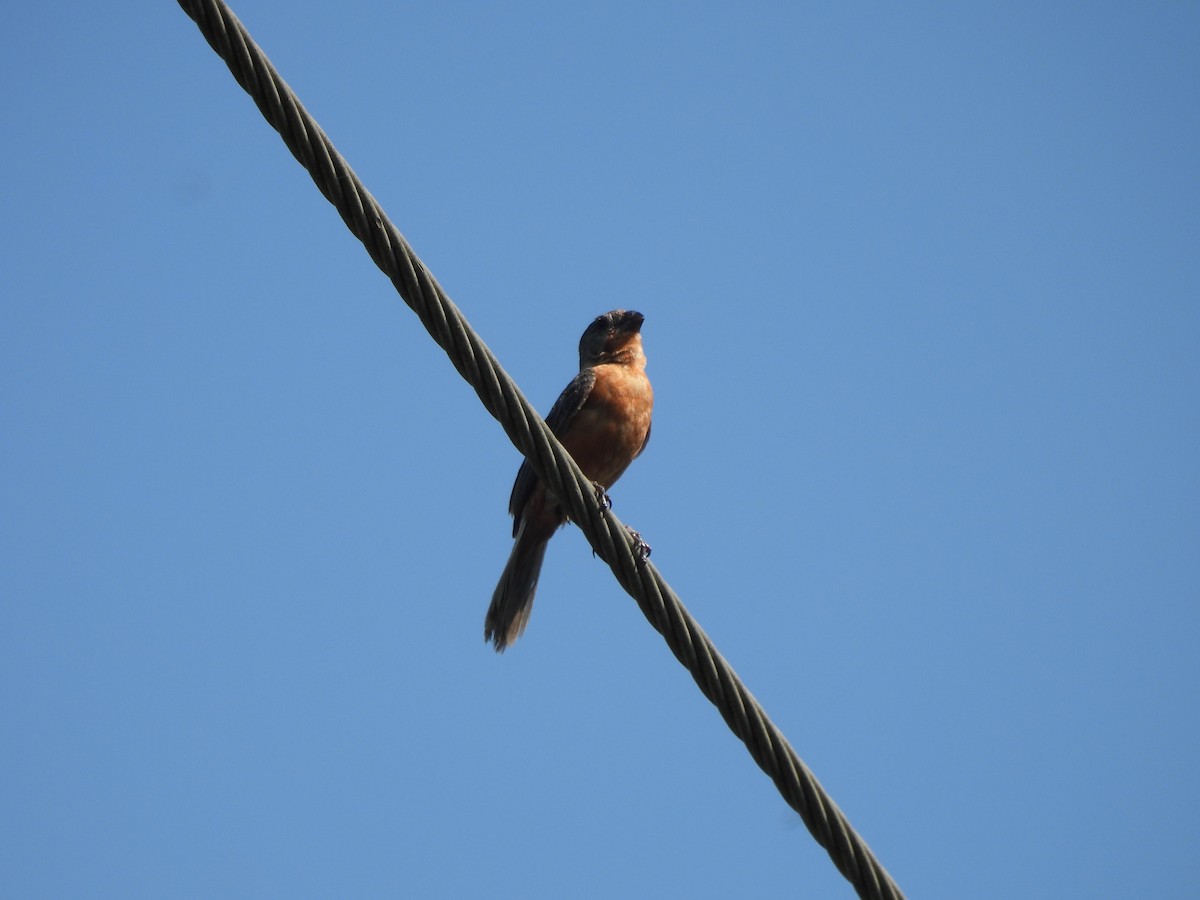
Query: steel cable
x=526, y=429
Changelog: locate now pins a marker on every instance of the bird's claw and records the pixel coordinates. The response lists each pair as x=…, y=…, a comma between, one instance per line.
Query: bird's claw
x=602, y=497
x=641, y=550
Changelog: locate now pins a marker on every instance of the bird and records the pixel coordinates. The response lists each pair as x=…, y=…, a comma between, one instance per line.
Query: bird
x=602, y=418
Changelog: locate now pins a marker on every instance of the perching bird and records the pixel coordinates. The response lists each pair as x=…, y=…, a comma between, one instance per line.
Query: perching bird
x=603, y=420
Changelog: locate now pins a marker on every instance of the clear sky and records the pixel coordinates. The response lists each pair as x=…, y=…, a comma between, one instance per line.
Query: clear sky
x=922, y=298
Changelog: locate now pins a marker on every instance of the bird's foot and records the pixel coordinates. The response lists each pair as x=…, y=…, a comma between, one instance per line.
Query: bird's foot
x=641, y=550
x=602, y=497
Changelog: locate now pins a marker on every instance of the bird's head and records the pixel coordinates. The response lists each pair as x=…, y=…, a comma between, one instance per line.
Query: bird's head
x=612, y=337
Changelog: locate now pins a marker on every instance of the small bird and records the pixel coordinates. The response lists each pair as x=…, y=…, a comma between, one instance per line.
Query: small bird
x=603, y=420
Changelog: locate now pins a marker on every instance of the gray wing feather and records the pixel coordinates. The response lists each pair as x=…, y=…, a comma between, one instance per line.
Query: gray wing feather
x=569, y=402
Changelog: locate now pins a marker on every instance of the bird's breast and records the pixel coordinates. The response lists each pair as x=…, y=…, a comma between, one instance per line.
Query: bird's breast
x=610, y=429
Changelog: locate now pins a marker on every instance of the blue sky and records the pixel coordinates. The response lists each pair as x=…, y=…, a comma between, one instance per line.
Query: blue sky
x=922, y=298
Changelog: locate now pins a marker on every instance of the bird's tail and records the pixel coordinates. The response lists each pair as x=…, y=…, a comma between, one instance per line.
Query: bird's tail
x=513, y=600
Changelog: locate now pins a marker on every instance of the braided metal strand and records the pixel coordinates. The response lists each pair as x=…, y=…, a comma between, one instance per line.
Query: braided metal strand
x=528, y=432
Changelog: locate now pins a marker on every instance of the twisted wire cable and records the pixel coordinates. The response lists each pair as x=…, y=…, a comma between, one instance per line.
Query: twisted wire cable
x=529, y=433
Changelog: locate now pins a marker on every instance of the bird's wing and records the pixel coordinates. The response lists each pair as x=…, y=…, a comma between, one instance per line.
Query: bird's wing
x=569, y=402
